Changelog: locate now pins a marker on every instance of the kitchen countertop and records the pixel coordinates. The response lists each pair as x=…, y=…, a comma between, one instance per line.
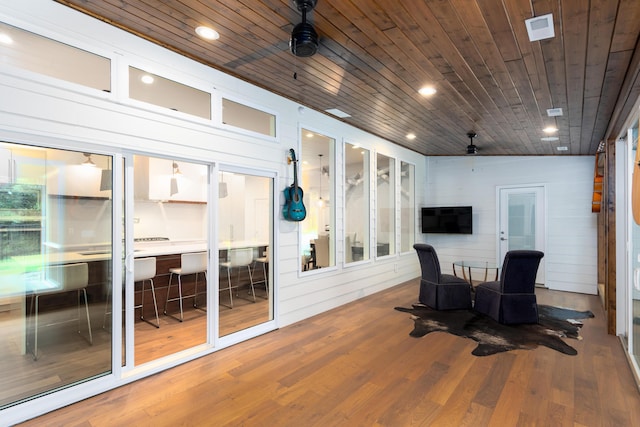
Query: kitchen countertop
x=141, y=249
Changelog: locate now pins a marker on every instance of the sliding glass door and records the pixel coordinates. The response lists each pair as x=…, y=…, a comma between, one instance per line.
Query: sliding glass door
x=167, y=265
x=245, y=236
x=56, y=222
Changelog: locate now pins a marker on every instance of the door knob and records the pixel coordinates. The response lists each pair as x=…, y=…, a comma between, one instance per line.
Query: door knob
x=502, y=238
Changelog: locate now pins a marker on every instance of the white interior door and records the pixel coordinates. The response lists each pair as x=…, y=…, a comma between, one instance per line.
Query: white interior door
x=521, y=222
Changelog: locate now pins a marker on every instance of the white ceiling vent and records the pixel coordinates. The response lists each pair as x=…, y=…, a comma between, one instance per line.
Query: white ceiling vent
x=540, y=27
x=553, y=112
x=337, y=113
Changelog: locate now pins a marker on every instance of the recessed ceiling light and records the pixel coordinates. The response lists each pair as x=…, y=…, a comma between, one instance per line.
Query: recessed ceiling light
x=411, y=136
x=550, y=129
x=549, y=138
x=309, y=135
x=562, y=148
x=207, y=33
x=427, y=91
x=147, y=79
x=5, y=38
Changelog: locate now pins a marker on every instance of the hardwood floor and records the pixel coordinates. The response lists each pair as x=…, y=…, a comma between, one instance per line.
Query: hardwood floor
x=358, y=366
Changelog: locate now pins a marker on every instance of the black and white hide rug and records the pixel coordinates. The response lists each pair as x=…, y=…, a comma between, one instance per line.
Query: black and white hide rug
x=555, y=323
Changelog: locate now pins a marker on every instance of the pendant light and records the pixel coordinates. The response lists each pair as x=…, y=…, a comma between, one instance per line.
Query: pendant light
x=106, y=177
x=320, y=201
x=222, y=188
x=174, y=179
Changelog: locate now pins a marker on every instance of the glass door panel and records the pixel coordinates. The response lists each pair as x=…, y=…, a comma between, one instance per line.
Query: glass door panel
x=168, y=268
x=635, y=248
x=385, y=205
x=245, y=242
x=55, y=269
x=356, y=201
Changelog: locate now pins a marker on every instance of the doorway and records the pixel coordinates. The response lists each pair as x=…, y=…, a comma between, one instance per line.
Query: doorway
x=521, y=222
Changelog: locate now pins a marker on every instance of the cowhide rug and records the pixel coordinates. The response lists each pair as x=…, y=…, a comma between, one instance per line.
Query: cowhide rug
x=554, y=324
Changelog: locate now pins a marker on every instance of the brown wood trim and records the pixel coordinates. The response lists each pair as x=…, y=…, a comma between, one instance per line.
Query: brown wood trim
x=610, y=237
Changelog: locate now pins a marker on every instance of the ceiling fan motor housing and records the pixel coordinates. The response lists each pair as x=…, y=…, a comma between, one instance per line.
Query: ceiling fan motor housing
x=471, y=148
x=304, y=39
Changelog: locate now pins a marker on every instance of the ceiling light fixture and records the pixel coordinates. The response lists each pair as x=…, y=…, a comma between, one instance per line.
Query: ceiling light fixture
x=549, y=138
x=411, y=136
x=550, y=129
x=562, y=148
x=88, y=161
x=427, y=91
x=5, y=38
x=207, y=33
x=147, y=79
x=554, y=112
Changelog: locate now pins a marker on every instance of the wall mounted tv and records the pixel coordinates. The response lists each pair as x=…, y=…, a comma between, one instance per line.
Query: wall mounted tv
x=447, y=219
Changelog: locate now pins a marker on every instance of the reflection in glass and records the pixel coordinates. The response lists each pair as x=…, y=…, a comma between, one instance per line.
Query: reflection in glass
x=55, y=263
x=407, y=206
x=244, y=236
x=356, y=200
x=248, y=118
x=635, y=256
x=22, y=49
x=522, y=224
x=385, y=205
x=318, y=232
x=156, y=90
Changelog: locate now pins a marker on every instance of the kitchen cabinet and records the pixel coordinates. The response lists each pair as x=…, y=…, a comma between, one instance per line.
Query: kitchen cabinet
x=22, y=166
x=186, y=182
x=76, y=180
x=6, y=166
x=70, y=173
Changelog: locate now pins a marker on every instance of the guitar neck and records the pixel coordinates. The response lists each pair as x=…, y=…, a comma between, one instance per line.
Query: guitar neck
x=295, y=174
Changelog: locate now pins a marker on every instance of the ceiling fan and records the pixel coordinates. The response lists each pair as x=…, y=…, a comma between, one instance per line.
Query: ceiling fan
x=472, y=149
x=304, y=39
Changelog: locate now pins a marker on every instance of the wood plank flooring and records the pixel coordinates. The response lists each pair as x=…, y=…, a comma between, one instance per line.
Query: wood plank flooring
x=358, y=366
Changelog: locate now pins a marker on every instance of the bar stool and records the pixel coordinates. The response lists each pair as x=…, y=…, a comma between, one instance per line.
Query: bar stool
x=190, y=263
x=238, y=258
x=144, y=269
x=59, y=279
x=264, y=260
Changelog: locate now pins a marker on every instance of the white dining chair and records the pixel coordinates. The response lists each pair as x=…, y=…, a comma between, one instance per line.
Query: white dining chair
x=190, y=263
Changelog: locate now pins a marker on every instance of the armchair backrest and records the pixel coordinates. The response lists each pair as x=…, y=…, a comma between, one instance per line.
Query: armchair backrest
x=519, y=271
x=428, y=262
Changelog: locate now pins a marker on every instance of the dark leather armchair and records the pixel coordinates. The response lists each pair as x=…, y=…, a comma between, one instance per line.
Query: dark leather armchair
x=512, y=299
x=440, y=291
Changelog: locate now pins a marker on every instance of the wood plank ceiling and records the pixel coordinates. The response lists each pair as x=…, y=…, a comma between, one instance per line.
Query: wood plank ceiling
x=375, y=55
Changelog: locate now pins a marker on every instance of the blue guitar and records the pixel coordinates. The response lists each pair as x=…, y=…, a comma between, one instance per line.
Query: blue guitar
x=293, y=209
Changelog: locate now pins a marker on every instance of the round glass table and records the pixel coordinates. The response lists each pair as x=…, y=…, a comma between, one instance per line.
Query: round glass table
x=467, y=266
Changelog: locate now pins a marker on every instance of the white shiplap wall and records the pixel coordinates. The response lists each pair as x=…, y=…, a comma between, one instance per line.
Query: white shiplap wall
x=571, y=229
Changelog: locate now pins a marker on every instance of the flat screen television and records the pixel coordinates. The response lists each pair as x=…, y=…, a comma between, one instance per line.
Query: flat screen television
x=447, y=219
